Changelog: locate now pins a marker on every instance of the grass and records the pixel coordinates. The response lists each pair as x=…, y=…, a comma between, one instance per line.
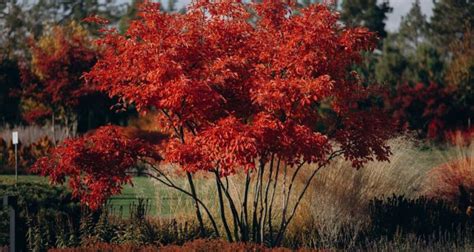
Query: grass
x=161, y=201
x=142, y=188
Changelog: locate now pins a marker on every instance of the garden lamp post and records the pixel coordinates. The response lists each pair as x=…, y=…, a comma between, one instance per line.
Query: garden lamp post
x=15, y=142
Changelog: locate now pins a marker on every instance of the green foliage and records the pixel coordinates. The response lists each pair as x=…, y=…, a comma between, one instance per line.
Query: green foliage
x=449, y=22
x=408, y=56
x=45, y=216
x=10, y=80
x=421, y=217
x=366, y=13
x=391, y=66
x=413, y=30
x=422, y=65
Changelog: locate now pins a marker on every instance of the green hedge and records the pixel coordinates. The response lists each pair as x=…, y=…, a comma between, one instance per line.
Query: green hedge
x=46, y=216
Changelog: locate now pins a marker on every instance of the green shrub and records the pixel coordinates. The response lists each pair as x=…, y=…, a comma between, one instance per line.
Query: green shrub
x=46, y=216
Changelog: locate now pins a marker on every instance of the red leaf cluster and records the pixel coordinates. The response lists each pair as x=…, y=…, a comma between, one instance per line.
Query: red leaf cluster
x=96, y=165
x=35, y=115
x=422, y=107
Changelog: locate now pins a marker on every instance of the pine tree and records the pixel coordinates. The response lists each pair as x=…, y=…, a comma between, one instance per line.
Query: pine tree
x=413, y=29
x=366, y=13
x=408, y=56
x=449, y=22
x=392, y=65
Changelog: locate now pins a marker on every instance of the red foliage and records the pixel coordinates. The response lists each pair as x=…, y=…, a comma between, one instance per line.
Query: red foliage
x=96, y=165
x=460, y=138
x=37, y=114
x=432, y=110
x=444, y=181
x=53, y=79
x=422, y=107
x=236, y=83
x=196, y=245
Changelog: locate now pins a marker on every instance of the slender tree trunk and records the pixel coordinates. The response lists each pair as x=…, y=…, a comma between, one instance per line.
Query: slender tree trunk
x=270, y=208
x=238, y=226
x=66, y=122
x=222, y=208
x=244, y=211
x=255, y=227
x=196, y=204
x=264, y=209
x=53, y=128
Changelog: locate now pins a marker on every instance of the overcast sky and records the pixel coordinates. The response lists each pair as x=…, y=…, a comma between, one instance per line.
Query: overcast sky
x=400, y=8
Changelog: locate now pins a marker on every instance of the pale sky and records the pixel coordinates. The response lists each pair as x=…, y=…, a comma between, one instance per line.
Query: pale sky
x=401, y=8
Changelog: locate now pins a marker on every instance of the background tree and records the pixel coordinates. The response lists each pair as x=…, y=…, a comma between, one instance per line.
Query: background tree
x=52, y=84
x=408, y=55
x=53, y=81
x=10, y=81
x=22, y=19
x=367, y=13
x=413, y=29
x=449, y=22
x=370, y=14
x=460, y=74
x=392, y=65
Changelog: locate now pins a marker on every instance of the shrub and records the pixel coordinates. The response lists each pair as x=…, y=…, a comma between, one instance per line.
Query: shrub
x=429, y=109
x=47, y=216
x=453, y=181
x=421, y=217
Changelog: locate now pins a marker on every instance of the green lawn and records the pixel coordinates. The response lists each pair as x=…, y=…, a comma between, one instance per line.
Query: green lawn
x=142, y=187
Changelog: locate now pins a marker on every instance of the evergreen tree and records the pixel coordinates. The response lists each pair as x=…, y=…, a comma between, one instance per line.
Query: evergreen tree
x=9, y=81
x=413, y=29
x=449, y=22
x=366, y=13
x=408, y=56
x=391, y=65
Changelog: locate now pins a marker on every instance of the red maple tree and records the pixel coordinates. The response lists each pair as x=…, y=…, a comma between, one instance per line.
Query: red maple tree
x=253, y=88
x=51, y=81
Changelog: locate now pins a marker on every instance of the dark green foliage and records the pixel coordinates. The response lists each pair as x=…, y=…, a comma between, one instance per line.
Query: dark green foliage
x=49, y=218
x=45, y=216
x=450, y=20
x=413, y=29
x=422, y=217
x=9, y=81
x=391, y=65
x=366, y=13
x=370, y=14
x=408, y=56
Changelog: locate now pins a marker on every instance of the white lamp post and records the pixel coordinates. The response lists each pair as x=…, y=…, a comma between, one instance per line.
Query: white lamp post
x=15, y=142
